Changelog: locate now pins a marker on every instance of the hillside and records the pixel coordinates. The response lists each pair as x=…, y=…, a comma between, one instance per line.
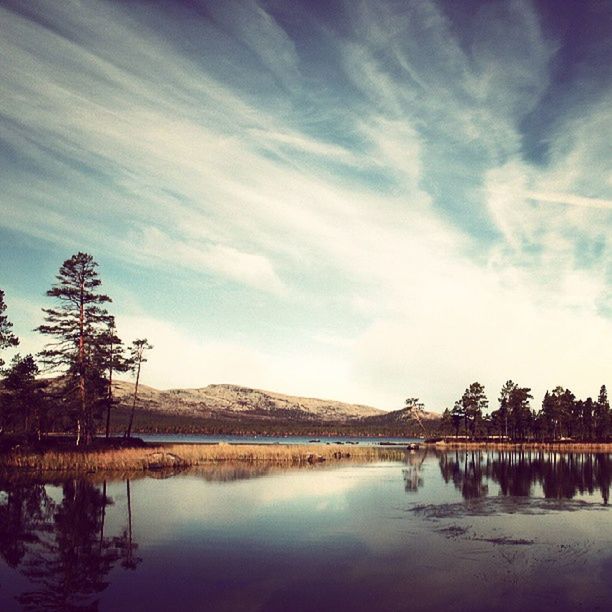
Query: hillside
x=224, y=409
x=236, y=401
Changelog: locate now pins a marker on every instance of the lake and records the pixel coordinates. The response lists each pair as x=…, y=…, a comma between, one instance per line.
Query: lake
x=437, y=531
x=240, y=439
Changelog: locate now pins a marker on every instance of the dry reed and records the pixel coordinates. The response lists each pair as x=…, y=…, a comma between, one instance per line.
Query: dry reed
x=186, y=455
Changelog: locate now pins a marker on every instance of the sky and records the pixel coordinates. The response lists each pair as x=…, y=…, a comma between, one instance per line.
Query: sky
x=364, y=201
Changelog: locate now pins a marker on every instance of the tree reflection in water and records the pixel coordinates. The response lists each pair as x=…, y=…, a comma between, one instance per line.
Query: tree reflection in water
x=560, y=475
x=413, y=480
x=467, y=474
x=61, y=547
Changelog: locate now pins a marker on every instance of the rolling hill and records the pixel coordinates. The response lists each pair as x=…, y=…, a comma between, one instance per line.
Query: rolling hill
x=232, y=408
x=221, y=399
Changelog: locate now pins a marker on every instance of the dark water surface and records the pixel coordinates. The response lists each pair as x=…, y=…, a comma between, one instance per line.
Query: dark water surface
x=449, y=531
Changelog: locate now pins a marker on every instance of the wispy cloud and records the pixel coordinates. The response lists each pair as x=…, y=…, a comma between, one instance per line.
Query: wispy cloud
x=259, y=31
x=569, y=199
x=383, y=189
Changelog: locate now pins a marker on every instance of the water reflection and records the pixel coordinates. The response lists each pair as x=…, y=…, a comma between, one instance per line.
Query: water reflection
x=253, y=537
x=413, y=478
x=61, y=546
x=467, y=473
x=559, y=475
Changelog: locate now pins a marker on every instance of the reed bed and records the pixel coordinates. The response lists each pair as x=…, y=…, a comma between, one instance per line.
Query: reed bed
x=165, y=456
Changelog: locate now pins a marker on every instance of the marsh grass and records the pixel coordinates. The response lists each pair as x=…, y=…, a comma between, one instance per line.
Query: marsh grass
x=168, y=456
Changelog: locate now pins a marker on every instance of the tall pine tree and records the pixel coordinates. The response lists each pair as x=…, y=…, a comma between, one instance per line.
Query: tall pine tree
x=601, y=415
x=76, y=325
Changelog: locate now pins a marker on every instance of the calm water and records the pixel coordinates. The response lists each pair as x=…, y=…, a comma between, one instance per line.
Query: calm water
x=236, y=439
x=451, y=531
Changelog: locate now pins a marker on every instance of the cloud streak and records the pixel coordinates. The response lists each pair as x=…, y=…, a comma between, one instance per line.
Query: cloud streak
x=569, y=200
x=357, y=192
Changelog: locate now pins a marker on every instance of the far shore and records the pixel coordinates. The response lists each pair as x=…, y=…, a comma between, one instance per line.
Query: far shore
x=560, y=446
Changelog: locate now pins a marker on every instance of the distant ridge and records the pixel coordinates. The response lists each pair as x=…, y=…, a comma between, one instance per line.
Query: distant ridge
x=223, y=399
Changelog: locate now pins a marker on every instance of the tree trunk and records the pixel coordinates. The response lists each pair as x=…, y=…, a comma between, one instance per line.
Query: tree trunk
x=109, y=398
x=82, y=364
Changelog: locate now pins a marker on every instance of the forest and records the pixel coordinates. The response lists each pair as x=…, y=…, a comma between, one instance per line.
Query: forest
x=562, y=416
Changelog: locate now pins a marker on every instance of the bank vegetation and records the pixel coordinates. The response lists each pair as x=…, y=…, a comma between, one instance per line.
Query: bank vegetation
x=159, y=457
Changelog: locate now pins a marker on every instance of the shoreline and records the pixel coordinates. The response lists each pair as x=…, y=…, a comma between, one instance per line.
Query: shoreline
x=576, y=447
x=150, y=457
x=178, y=456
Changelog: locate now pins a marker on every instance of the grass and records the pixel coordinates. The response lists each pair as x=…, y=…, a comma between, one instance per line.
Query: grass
x=166, y=456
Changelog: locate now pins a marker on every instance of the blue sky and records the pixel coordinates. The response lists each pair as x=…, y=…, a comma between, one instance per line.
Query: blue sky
x=358, y=200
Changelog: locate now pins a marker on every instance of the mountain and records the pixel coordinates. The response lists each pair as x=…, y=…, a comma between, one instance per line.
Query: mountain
x=234, y=401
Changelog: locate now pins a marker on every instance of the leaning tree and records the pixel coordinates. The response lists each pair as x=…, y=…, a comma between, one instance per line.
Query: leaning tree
x=76, y=325
x=416, y=411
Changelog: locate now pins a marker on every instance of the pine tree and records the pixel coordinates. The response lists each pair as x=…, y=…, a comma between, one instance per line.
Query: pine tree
x=474, y=403
x=567, y=410
x=76, y=326
x=549, y=416
x=601, y=415
x=26, y=402
x=7, y=337
x=586, y=418
x=446, y=422
x=520, y=411
x=503, y=413
x=557, y=408
x=137, y=358
x=457, y=416
x=112, y=359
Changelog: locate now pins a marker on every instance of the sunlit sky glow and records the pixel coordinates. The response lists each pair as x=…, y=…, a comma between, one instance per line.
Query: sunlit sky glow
x=357, y=200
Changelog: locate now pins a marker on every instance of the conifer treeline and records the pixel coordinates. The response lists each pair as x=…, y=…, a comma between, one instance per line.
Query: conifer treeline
x=83, y=349
x=561, y=415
